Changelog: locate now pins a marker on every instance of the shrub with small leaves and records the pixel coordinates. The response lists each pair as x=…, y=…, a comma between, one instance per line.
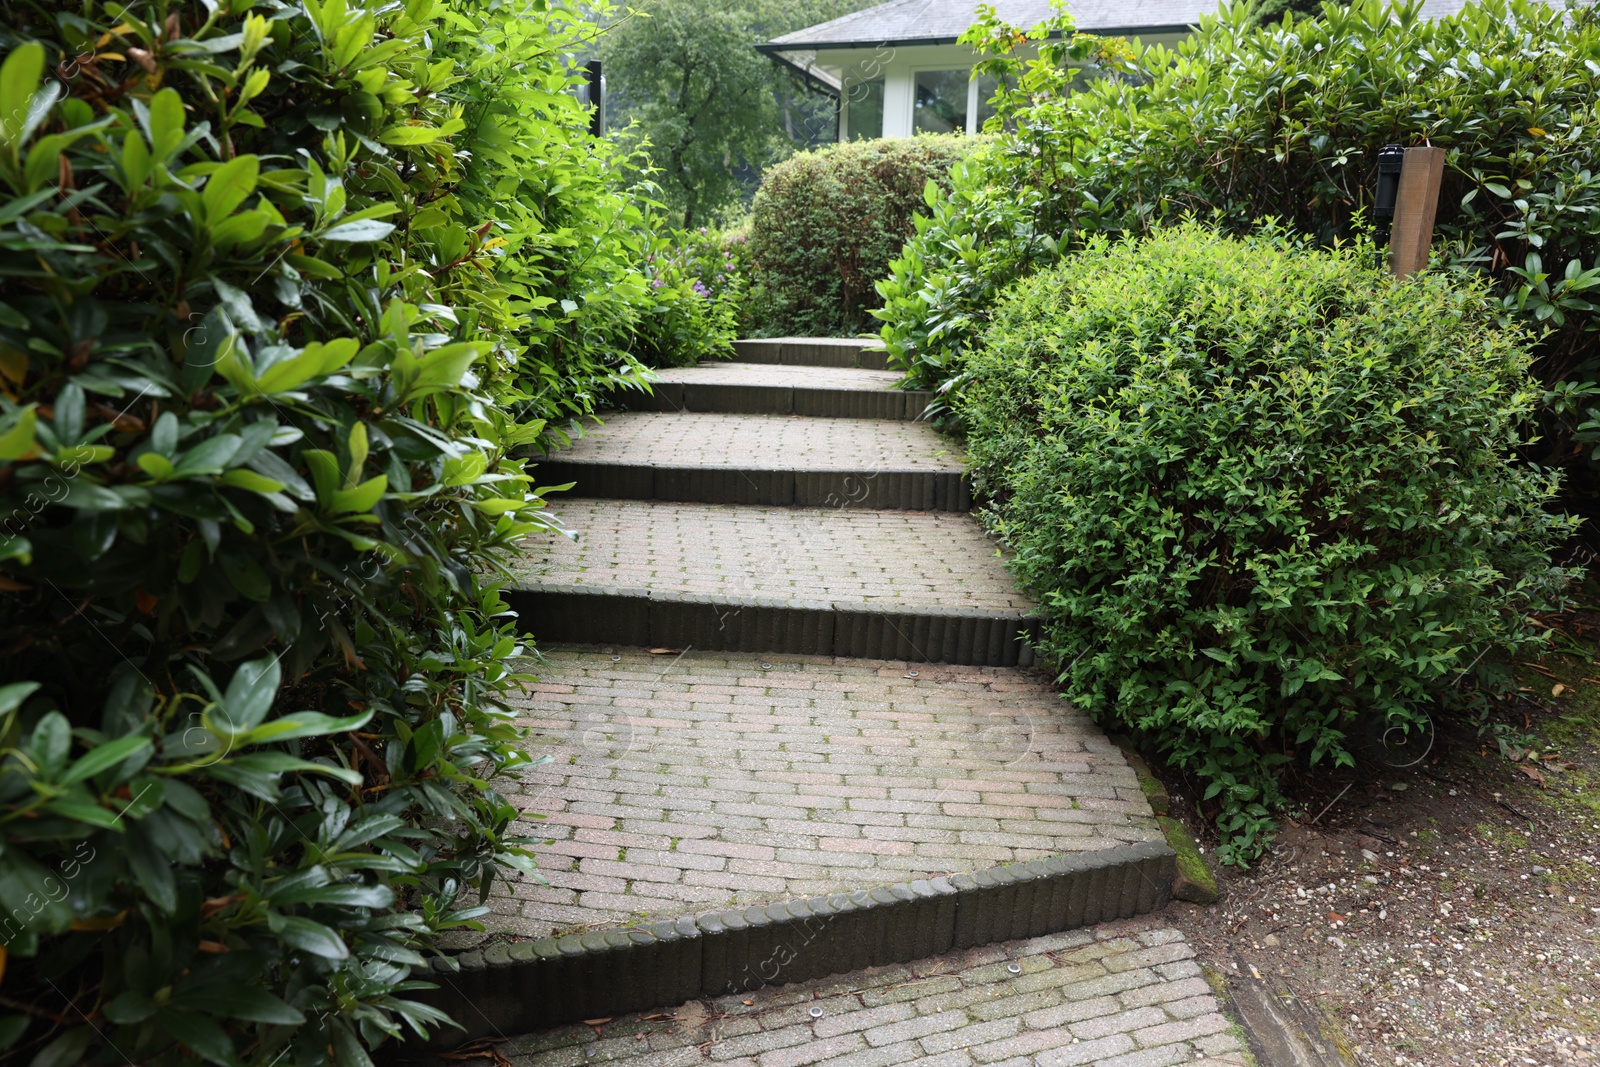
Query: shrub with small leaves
x=1264, y=495
x=1245, y=121
x=827, y=223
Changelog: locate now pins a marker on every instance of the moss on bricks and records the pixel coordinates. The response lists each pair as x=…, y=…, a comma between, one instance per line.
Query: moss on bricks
x=1195, y=882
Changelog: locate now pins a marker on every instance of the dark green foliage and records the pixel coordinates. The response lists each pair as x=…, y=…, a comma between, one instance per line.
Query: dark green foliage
x=827, y=224
x=1265, y=496
x=1248, y=121
x=264, y=344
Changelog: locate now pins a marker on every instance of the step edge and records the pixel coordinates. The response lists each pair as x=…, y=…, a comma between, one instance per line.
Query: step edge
x=668, y=596
x=529, y=985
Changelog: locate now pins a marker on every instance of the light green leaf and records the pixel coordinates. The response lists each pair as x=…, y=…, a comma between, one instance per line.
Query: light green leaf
x=366, y=230
x=228, y=187
x=19, y=78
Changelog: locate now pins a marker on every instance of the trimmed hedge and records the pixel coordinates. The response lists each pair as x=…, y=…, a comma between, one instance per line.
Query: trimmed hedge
x=1245, y=122
x=826, y=225
x=1265, y=495
x=283, y=291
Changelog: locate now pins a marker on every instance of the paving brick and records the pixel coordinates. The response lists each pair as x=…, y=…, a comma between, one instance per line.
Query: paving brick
x=688, y=795
x=764, y=442
x=1167, y=1033
x=928, y=1012
x=911, y=1029
x=892, y=559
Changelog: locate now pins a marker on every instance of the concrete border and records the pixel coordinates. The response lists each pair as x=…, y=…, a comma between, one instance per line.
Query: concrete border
x=818, y=403
x=530, y=985
x=589, y=615
x=884, y=490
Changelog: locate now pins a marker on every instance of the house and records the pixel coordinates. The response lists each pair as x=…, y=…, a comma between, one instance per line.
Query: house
x=897, y=70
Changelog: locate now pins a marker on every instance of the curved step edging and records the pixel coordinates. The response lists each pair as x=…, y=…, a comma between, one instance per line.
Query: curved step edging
x=530, y=985
x=817, y=403
x=884, y=490
x=589, y=615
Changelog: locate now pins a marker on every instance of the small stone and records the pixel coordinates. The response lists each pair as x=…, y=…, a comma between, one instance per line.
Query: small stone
x=1336, y=942
x=1271, y=941
x=1537, y=871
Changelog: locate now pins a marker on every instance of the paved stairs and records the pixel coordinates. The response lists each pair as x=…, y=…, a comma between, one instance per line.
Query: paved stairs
x=788, y=738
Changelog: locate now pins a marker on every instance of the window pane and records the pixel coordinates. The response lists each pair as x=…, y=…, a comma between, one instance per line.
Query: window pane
x=988, y=85
x=864, y=114
x=941, y=101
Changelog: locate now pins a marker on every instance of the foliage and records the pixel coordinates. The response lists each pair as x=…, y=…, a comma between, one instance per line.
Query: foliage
x=1247, y=121
x=268, y=316
x=1263, y=493
x=696, y=294
x=827, y=223
x=713, y=111
x=570, y=219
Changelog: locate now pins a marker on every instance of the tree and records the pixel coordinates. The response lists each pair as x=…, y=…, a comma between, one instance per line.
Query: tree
x=714, y=110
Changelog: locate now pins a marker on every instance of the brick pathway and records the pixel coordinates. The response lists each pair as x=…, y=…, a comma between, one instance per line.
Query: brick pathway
x=1125, y=994
x=898, y=558
x=698, y=782
x=765, y=442
x=878, y=811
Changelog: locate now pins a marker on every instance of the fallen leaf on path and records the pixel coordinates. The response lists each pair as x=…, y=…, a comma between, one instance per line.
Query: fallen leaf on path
x=1532, y=772
x=663, y=651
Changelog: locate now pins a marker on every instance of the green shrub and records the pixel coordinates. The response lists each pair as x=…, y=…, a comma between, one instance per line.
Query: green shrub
x=261, y=358
x=827, y=223
x=696, y=292
x=1247, y=121
x=1263, y=494
x=571, y=221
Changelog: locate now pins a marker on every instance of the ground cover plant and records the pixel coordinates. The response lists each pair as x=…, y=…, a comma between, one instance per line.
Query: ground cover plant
x=283, y=290
x=1247, y=121
x=1267, y=498
x=826, y=225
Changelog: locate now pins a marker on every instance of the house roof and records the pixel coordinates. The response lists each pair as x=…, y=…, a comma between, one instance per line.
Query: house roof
x=943, y=21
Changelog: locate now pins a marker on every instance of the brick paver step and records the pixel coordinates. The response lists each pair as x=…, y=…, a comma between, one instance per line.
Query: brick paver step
x=866, y=353
x=772, y=389
x=710, y=803
x=913, y=585
x=1126, y=994
x=764, y=459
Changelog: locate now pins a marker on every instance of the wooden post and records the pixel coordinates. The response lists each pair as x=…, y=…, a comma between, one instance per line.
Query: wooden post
x=1415, y=207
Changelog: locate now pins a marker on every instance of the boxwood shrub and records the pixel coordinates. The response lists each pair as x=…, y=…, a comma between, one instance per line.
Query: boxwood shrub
x=826, y=224
x=1264, y=495
x=1244, y=121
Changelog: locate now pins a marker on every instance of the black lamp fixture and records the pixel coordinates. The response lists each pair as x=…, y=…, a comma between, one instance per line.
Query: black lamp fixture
x=1391, y=157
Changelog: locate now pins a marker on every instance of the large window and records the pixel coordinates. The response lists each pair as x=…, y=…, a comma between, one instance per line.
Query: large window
x=864, y=110
x=941, y=102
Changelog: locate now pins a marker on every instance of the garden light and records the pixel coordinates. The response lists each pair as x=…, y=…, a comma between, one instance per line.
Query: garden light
x=1391, y=158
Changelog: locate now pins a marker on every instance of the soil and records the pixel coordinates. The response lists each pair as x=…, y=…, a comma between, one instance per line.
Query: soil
x=1443, y=907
